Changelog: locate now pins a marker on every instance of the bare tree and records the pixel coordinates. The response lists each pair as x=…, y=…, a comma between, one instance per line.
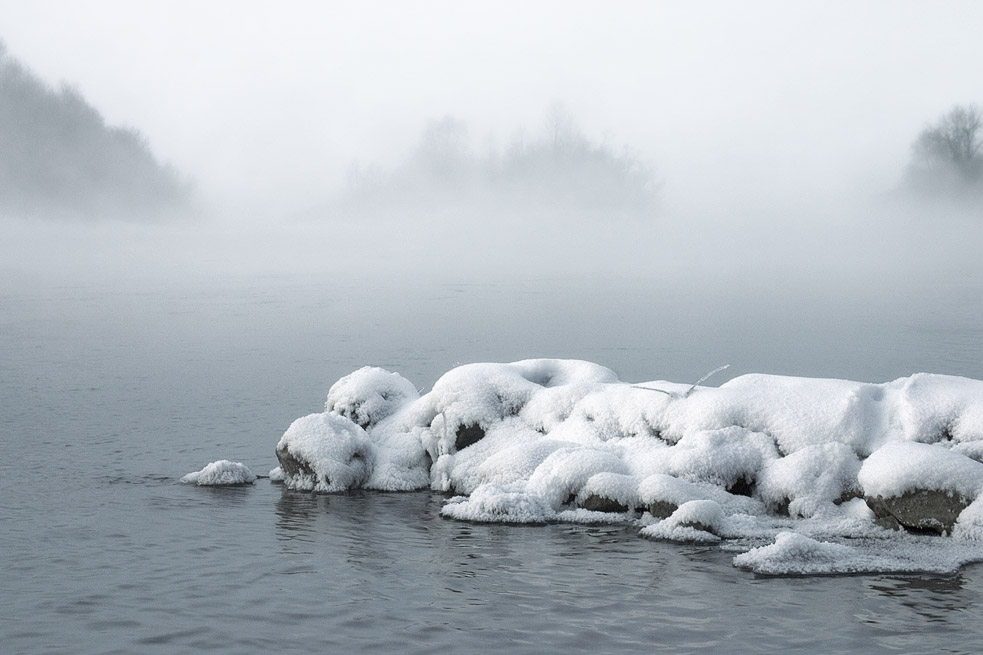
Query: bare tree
x=951, y=149
x=561, y=131
x=443, y=151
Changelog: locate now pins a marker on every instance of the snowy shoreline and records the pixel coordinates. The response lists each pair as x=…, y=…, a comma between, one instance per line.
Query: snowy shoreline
x=795, y=475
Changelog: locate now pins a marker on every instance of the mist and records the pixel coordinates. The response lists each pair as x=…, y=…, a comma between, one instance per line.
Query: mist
x=771, y=140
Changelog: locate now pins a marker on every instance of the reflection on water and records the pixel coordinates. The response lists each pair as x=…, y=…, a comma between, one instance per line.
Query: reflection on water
x=923, y=599
x=549, y=588
x=295, y=517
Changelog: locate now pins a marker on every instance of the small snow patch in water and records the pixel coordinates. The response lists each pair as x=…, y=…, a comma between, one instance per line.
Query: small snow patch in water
x=221, y=473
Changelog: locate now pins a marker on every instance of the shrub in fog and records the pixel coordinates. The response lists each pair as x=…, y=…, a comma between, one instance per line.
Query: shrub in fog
x=558, y=170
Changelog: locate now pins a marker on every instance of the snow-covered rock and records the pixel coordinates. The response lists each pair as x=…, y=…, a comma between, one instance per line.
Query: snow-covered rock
x=325, y=452
x=760, y=456
x=369, y=395
x=920, y=486
x=695, y=520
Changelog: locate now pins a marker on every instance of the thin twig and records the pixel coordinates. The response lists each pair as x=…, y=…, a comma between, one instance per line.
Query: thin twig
x=704, y=378
x=673, y=394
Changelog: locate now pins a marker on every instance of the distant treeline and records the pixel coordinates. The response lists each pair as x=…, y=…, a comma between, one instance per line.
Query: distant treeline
x=554, y=170
x=947, y=156
x=58, y=158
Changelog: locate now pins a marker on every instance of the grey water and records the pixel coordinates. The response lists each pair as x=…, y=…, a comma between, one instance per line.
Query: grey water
x=111, y=391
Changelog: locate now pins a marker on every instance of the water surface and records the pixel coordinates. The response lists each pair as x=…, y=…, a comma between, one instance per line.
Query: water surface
x=111, y=392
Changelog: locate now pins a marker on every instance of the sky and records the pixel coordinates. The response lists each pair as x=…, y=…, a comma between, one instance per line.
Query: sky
x=753, y=114
x=271, y=101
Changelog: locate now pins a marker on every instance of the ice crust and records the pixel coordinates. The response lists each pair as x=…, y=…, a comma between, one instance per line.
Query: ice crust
x=221, y=473
x=776, y=467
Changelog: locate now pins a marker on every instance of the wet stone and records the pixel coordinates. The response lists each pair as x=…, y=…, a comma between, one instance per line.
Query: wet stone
x=921, y=509
x=596, y=503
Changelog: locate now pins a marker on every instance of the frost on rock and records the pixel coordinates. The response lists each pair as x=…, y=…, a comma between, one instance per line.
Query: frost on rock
x=727, y=457
x=696, y=520
x=790, y=466
x=970, y=522
x=219, y=474
x=609, y=492
x=369, y=395
x=795, y=553
x=920, y=486
x=325, y=452
x=810, y=481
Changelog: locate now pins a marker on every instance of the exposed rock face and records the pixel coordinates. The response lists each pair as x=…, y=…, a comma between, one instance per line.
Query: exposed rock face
x=661, y=509
x=293, y=466
x=921, y=509
x=303, y=474
x=468, y=435
x=596, y=503
x=697, y=525
x=744, y=486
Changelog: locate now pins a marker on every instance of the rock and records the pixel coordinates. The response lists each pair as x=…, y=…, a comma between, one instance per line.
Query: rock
x=696, y=525
x=325, y=453
x=702, y=515
x=293, y=466
x=921, y=509
x=662, y=509
x=743, y=486
x=468, y=435
x=888, y=522
x=781, y=508
x=847, y=496
x=598, y=503
x=369, y=395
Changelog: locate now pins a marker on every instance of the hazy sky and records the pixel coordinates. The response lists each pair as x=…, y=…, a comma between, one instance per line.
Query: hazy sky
x=270, y=102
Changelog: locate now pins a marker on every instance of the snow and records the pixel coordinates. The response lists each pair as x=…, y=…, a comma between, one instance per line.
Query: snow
x=810, y=480
x=721, y=457
x=337, y=453
x=776, y=467
x=900, y=467
x=695, y=520
x=619, y=488
x=220, y=473
x=369, y=395
x=797, y=554
x=970, y=523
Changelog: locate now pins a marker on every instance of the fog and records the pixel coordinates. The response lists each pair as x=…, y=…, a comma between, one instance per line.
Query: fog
x=633, y=139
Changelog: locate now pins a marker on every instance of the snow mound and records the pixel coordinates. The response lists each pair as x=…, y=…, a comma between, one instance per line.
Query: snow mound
x=220, y=473
x=696, y=520
x=325, y=452
x=810, y=481
x=786, y=467
x=797, y=554
x=369, y=395
x=900, y=467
